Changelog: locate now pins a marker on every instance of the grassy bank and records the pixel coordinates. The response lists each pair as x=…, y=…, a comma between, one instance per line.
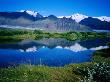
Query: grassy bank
x=86, y=72
x=15, y=35
x=27, y=73
x=102, y=55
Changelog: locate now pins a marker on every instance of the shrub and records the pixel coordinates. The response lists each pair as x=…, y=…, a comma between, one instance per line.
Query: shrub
x=98, y=72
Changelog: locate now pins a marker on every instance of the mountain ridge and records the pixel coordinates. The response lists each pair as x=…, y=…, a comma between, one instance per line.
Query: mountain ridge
x=78, y=17
x=32, y=19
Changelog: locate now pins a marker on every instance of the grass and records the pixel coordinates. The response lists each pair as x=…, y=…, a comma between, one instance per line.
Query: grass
x=29, y=73
x=15, y=35
x=102, y=55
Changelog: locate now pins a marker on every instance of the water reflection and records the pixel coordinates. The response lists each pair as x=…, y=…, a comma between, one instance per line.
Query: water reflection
x=53, y=42
x=51, y=52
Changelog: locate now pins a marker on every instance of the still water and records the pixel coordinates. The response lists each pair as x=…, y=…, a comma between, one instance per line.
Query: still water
x=50, y=52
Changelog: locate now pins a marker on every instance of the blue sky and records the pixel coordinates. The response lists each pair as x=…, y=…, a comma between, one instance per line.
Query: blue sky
x=59, y=7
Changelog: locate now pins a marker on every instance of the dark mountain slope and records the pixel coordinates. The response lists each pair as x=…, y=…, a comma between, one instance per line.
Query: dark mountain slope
x=95, y=23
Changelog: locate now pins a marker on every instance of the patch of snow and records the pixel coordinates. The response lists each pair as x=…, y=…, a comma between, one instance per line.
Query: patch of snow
x=76, y=48
x=21, y=50
x=64, y=16
x=99, y=48
x=33, y=13
x=101, y=30
x=43, y=46
x=32, y=49
x=59, y=47
x=103, y=18
x=77, y=17
x=22, y=11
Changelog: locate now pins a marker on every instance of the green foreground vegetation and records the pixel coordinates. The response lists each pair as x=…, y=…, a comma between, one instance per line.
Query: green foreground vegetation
x=16, y=35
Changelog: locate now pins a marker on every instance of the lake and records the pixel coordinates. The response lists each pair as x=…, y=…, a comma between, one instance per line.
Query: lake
x=50, y=52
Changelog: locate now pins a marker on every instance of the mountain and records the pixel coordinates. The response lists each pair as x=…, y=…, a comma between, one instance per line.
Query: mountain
x=52, y=17
x=95, y=23
x=70, y=24
x=33, y=13
x=23, y=18
x=32, y=19
x=77, y=17
x=52, y=23
x=103, y=18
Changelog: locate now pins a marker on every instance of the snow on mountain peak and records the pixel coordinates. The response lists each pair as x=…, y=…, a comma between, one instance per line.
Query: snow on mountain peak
x=77, y=17
x=104, y=18
x=21, y=10
x=33, y=13
x=64, y=16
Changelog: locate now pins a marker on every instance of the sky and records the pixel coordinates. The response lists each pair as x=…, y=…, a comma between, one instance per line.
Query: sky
x=59, y=7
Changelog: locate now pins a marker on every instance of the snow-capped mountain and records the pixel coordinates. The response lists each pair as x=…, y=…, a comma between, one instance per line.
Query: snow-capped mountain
x=103, y=18
x=32, y=19
x=64, y=16
x=77, y=17
x=33, y=13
